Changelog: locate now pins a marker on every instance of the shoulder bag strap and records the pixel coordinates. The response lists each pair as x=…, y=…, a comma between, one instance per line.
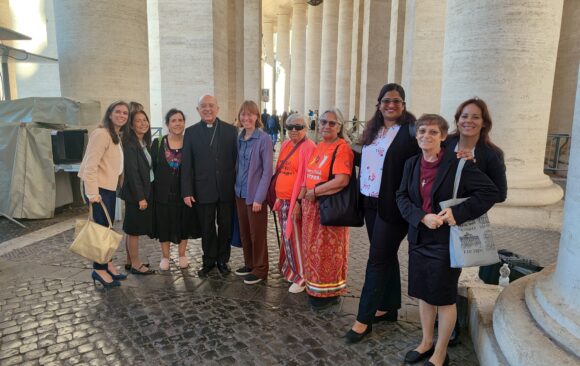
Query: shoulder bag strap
x=458, y=177
x=330, y=174
x=279, y=168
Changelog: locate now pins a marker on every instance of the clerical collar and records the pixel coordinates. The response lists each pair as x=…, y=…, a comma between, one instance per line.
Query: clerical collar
x=210, y=125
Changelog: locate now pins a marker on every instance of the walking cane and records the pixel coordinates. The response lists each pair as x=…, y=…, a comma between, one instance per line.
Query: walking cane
x=276, y=225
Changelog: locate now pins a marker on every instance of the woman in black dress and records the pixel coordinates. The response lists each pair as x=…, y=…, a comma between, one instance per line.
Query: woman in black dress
x=136, y=190
x=174, y=221
x=427, y=180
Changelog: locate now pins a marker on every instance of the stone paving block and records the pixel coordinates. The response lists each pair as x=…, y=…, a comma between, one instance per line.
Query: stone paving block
x=15, y=360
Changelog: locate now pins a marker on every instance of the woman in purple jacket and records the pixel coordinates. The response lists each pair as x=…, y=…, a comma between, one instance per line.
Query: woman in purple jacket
x=253, y=174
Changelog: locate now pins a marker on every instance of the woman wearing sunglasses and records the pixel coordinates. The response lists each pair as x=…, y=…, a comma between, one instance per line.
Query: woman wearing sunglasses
x=291, y=167
x=388, y=141
x=325, y=247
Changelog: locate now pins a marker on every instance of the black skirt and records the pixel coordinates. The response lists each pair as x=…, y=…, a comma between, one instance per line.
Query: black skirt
x=431, y=278
x=138, y=222
x=175, y=222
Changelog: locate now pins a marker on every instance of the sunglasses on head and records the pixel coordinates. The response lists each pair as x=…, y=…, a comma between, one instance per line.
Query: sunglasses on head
x=295, y=127
x=324, y=122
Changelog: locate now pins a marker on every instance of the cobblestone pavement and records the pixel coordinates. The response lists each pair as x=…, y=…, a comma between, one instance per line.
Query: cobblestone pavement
x=50, y=313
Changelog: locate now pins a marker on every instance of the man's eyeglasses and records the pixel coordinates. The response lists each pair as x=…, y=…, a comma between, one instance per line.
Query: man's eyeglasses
x=388, y=101
x=295, y=127
x=323, y=122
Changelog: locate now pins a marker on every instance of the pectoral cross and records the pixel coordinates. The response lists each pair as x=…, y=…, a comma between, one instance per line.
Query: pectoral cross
x=423, y=182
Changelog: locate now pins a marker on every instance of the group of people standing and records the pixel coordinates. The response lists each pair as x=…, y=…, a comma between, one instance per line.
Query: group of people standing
x=188, y=183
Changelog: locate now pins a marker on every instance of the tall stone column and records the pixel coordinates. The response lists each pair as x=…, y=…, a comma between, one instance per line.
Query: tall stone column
x=562, y=111
x=312, y=67
x=423, y=55
x=516, y=81
x=298, y=55
x=328, y=54
x=269, y=77
x=396, y=40
x=283, y=53
x=6, y=21
x=103, y=50
x=536, y=320
x=355, y=56
x=342, y=95
x=375, y=53
x=36, y=20
x=252, y=50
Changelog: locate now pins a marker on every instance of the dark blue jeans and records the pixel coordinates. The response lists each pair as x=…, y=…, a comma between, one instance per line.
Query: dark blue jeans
x=382, y=287
x=99, y=216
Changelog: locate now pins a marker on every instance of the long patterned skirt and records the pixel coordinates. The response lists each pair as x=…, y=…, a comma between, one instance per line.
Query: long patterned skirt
x=325, y=254
x=290, y=263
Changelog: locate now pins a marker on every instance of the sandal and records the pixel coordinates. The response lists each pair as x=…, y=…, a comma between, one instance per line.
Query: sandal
x=147, y=271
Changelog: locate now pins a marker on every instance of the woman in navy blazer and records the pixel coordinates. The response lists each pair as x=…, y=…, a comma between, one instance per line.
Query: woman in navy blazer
x=253, y=175
x=427, y=180
x=136, y=190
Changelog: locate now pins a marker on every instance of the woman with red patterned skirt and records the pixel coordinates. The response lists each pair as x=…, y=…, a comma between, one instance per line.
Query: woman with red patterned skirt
x=325, y=247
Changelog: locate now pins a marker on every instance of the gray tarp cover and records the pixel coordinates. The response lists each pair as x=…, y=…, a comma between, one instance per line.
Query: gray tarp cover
x=27, y=174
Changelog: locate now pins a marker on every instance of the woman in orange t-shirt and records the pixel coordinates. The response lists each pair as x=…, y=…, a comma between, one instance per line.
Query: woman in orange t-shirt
x=294, y=156
x=325, y=247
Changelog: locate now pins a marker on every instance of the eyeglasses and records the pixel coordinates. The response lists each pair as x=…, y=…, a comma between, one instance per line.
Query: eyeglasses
x=295, y=127
x=388, y=101
x=323, y=122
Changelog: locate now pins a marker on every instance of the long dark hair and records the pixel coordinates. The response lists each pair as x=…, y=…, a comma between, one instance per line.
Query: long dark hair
x=373, y=125
x=108, y=122
x=130, y=137
x=485, y=127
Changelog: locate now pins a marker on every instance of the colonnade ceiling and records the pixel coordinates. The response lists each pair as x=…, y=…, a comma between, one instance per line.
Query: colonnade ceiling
x=271, y=8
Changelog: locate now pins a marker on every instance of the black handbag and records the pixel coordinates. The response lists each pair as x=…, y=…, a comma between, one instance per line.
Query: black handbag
x=342, y=208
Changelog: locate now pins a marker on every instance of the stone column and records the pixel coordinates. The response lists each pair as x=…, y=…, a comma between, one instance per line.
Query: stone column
x=516, y=80
x=562, y=111
x=328, y=54
x=396, y=40
x=536, y=320
x=343, y=59
x=269, y=76
x=252, y=50
x=375, y=54
x=36, y=20
x=103, y=50
x=282, y=52
x=423, y=55
x=298, y=44
x=312, y=67
x=355, y=56
x=6, y=21
x=157, y=114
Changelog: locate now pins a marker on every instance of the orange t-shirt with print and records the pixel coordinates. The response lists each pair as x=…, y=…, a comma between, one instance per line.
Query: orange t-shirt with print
x=318, y=168
x=288, y=173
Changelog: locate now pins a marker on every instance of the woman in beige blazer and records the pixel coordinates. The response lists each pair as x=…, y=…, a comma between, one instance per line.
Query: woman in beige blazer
x=100, y=170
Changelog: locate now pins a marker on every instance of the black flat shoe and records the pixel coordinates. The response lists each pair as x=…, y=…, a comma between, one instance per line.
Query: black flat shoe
x=320, y=303
x=205, y=270
x=389, y=316
x=128, y=266
x=148, y=271
x=223, y=268
x=454, y=339
x=415, y=356
x=445, y=363
x=354, y=337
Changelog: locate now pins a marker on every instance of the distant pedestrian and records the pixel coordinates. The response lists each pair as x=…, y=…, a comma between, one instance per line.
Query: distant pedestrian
x=273, y=124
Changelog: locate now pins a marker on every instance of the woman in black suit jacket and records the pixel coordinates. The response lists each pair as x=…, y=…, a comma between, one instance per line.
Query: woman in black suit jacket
x=427, y=180
x=471, y=141
x=136, y=190
x=388, y=141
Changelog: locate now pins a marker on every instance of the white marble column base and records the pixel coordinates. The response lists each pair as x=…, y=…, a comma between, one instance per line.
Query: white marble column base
x=534, y=217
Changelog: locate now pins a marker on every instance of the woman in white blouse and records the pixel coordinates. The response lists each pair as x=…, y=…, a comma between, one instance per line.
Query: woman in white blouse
x=388, y=140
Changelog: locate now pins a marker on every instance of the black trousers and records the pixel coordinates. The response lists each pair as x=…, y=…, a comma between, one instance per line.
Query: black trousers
x=382, y=287
x=215, y=243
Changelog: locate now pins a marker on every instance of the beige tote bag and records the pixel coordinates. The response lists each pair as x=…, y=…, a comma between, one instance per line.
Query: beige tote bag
x=93, y=241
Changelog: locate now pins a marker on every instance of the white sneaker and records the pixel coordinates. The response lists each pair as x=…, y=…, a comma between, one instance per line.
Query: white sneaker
x=296, y=288
x=164, y=264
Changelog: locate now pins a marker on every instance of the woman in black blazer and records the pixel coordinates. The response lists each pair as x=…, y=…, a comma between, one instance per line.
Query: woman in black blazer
x=174, y=221
x=388, y=141
x=427, y=180
x=136, y=190
x=471, y=141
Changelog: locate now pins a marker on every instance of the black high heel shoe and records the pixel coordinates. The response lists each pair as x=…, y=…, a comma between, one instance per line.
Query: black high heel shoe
x=96, y=277
x=119, y=277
